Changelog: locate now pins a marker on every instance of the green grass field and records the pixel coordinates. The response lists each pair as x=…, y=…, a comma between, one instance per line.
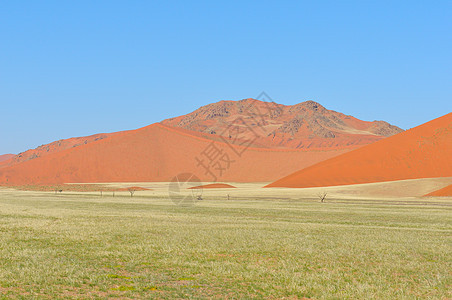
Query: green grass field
x=85, y=246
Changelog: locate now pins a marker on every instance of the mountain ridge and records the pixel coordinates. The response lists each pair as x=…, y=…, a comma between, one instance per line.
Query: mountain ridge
x=303, y=125
x=5, y=157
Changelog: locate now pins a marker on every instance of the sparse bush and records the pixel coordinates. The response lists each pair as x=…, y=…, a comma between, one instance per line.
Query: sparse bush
x=322, y=196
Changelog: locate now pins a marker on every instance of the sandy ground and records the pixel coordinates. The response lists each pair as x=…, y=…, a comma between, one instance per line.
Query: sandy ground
x=403, y=190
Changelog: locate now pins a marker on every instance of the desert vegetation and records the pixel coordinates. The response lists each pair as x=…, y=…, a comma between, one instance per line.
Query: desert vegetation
x=322, y=196
x=81, y=245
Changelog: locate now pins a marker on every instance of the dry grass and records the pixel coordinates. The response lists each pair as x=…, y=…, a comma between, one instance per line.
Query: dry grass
x=82, y=245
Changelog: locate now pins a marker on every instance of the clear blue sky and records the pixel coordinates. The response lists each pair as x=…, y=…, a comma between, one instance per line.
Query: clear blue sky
x=75, y=68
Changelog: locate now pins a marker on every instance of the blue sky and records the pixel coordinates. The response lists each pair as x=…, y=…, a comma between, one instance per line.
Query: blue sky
x=75, y=68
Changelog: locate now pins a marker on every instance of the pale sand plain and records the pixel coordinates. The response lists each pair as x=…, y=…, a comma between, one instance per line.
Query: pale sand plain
x=402, y=190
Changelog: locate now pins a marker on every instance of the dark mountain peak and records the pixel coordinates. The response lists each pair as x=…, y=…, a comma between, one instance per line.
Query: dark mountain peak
x=306, y=124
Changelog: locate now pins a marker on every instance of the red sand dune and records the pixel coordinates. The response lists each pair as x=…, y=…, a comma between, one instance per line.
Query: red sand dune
x=158, y=153
x=214, y=186
x=134, y=188
x=6, y=157
x=445, y=192
x=421, y=152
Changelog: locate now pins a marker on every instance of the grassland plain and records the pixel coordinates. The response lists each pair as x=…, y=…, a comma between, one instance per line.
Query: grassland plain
x=81, y=245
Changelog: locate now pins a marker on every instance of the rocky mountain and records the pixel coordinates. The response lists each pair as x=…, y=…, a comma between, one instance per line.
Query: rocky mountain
x=304, y=125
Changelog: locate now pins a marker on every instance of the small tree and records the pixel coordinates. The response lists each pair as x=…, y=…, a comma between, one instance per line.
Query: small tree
x=131, y=191
x=322, y=196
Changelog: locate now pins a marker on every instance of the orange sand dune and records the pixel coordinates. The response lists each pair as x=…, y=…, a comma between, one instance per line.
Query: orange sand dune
x=445, y=192
x=158, y=153
x=421, y=152
x=214, y=186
